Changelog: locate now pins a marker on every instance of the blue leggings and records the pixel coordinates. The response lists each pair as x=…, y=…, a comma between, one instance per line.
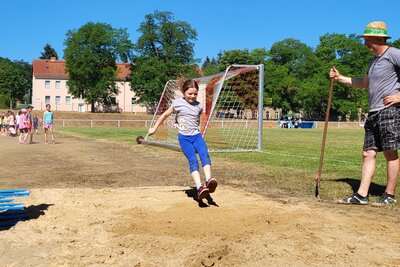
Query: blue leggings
x=190, y=144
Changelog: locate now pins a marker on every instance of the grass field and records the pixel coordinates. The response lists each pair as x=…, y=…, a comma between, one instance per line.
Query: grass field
x=289, y=160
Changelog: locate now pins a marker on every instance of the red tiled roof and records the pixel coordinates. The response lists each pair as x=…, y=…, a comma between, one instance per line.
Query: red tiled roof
x=49, y=69
x=55, y=69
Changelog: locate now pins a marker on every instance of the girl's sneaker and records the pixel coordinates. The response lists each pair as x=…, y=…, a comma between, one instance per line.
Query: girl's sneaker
x=211, y=185
x=202, y=192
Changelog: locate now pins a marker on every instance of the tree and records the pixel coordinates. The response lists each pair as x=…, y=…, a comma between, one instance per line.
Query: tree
x=352, y=58
x=164, y=52
x=14, y=84
x=166, y=39
x=48, y=52
x=210, y=66
x=244, y=57
x=90, y=58
x=396, y=43
x=281, y=87
x=289, y=63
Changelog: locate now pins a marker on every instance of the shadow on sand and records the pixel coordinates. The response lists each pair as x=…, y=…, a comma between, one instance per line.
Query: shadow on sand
x=10, y=218
x=374, y=189
x=192, y=193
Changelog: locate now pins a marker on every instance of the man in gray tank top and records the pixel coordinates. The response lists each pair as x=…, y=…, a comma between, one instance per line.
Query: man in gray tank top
x=382, y=127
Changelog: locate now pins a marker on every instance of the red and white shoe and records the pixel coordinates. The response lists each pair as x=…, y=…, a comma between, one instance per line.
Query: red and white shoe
x=202, y=192
x=211, y=185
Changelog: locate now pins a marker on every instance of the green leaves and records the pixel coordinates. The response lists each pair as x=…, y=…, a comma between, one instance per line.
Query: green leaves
x=90, y=59
x=166, y=39
x=15, y=80
x=48, y=52
x=164, y=52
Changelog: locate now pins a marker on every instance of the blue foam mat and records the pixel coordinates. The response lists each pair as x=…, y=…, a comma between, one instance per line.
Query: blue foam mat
x=19, y=207
x=11, y=212
x=13, y=190
x=6, y=200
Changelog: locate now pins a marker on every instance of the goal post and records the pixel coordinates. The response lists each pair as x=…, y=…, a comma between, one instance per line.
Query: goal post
x=231, y=120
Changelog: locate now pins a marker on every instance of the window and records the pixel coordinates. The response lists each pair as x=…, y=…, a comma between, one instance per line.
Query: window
x=58, y=100
x=134, y=100
x=47, y=99
x=276, y=114
x=68, y=100
x=47, y=84
x=58, y=84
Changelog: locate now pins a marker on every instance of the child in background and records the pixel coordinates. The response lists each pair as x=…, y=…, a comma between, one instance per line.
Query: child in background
x=2, y=124
x=11, y=123
x=17, y=122
x=23, y=126
x=188, y=112
x=5, y=123
x=30, y=123
x=48, y=124
x=35, y=123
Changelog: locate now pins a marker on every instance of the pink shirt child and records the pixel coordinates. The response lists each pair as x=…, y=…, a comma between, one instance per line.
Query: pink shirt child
x=22, y=121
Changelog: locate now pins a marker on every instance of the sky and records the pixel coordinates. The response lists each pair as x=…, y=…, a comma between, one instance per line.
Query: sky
x=26, y=26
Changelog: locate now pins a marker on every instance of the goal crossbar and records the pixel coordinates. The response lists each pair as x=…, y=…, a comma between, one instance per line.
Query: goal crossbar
x=232, y=110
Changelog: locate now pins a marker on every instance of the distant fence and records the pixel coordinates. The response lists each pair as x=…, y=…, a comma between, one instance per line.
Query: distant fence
x=216, y=123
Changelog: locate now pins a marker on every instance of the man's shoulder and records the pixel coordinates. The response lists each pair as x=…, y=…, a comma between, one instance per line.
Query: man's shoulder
x=393, y=51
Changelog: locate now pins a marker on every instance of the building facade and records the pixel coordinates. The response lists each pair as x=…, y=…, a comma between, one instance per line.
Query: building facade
x=49, y=86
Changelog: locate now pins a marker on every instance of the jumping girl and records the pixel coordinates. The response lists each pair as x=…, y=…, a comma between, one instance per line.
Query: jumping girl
x=188, y=111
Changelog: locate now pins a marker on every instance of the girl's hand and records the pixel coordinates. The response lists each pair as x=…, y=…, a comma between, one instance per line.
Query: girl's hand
x=151, y=131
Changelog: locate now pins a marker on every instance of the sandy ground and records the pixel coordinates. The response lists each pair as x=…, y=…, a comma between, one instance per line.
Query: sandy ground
x=94, y=203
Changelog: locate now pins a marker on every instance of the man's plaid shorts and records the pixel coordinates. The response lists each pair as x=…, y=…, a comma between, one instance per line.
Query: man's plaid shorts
x=382, y=130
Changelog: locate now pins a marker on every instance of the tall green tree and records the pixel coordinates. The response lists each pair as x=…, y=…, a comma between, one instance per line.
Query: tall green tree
x=352, y=58
x=48, y=52
x=164, y=52
x=289, y=63
x=14, y=83
x=90, y=56
x=281, y=87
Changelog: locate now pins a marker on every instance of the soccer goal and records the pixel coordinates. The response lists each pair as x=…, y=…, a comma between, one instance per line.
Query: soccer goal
x=232, y=116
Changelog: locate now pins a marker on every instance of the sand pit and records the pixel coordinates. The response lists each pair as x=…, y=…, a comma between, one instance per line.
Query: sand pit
x=94, y=209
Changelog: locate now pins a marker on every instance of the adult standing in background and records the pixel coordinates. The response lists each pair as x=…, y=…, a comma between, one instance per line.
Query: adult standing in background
x=382, y=127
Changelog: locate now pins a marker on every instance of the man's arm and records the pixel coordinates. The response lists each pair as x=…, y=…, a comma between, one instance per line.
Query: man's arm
x=355, y=82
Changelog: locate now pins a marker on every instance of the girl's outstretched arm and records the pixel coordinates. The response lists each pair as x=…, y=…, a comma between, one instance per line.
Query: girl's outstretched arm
x=160, y=120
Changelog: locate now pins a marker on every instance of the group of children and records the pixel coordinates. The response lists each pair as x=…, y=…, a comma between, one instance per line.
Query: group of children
x=25, y=125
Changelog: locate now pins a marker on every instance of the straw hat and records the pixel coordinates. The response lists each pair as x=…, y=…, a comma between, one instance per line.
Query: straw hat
x=377, y=29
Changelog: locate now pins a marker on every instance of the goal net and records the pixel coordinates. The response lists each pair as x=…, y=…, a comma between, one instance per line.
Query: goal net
x=231, y=102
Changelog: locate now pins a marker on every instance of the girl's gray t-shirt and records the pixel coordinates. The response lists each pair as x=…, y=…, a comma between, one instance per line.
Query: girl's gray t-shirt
x=187, y=116
x=383, y=76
